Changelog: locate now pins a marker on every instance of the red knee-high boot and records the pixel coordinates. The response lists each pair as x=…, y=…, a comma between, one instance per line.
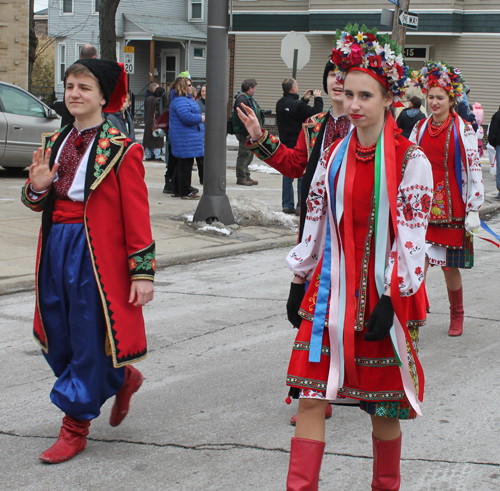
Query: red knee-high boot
x=72, y=441
x=305, y=464
x=456, y=312
x=133, y=380
x=386, y=458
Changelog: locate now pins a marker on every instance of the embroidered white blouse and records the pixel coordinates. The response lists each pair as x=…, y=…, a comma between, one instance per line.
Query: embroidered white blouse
x=414, y=198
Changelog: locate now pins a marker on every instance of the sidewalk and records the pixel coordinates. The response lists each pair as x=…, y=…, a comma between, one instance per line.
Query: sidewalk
x=177, y=242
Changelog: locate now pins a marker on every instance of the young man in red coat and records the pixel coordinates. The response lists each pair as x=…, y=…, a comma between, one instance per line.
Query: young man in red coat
x=96, y=256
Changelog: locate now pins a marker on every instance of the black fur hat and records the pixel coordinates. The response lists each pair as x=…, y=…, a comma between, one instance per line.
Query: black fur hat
x=112, y=80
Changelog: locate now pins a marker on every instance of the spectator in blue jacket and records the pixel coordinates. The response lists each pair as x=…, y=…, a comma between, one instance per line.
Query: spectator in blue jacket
x=187, y=136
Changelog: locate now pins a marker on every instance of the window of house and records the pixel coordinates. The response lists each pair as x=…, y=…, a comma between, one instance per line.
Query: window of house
x=67, y=6
x=78, y=50
x=195, y=10
x=96, y=5
x=62, y=62
x=199, y=52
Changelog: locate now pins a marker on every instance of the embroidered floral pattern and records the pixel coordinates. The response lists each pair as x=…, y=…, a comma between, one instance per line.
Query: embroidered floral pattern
x=438, y=208
x=103, y=147
x=265, y=147
x=142, y=264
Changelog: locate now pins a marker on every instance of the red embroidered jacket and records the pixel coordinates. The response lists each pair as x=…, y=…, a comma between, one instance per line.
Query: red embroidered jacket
x=117, y=225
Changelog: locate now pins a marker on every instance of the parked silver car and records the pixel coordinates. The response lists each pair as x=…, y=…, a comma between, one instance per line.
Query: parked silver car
x=23, y=119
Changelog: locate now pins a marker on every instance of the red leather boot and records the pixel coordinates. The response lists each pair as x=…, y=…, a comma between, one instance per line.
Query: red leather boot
x=305, y=464
x=456, y=312
x=328, y=415
x=72, y=441
x=133, y=380
x=386, y=458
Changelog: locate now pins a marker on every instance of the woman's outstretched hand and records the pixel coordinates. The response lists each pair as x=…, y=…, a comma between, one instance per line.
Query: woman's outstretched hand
x=250, y=121
x=41, y=177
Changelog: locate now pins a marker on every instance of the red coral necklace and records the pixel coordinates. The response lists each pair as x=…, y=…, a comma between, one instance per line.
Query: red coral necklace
x=435, y=129
x=365, y=154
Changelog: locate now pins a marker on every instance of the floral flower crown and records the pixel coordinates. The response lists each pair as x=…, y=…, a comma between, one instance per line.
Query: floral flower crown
x=438, y=74
x=375, y=52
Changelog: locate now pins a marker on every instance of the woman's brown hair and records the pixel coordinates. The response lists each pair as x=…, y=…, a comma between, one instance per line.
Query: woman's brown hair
x=181, y=86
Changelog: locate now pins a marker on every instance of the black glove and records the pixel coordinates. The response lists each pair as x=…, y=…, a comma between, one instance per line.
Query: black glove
x=381, y=320
x=295, y=297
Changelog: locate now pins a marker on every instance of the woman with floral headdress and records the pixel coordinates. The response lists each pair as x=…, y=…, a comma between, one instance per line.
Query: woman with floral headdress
x=450, y=143
x=363, y=252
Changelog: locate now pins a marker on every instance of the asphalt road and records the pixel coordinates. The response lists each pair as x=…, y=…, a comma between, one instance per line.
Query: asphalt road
x=211, y=414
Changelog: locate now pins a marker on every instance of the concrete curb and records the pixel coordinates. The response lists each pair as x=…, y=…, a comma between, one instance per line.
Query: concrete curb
x=181, y=258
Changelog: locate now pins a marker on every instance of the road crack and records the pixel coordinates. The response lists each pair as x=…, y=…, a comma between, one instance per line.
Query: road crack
x=224, y=447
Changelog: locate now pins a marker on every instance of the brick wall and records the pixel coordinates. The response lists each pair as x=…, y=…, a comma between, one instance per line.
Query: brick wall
x=14, y=42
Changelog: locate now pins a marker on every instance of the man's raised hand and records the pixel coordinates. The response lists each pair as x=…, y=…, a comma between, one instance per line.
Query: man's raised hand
x=250, y=121
x=41, y=177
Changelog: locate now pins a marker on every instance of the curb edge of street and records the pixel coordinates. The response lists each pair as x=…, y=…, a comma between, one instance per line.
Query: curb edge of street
x=166, y=261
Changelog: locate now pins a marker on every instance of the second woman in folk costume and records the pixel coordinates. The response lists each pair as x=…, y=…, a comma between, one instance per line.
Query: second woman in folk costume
x=363, y=251
x=450, y=143
x=318, y=133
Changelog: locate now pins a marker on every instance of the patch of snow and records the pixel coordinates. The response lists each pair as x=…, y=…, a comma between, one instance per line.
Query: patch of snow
x=246, y=212
x=216, y=227
x=250, y=211
x=262, y=168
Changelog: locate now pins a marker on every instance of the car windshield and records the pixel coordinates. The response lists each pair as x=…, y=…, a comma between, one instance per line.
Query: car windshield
x=18, y=102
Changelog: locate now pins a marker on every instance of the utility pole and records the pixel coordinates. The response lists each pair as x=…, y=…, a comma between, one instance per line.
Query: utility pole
x=214, y=203
x=399, y=32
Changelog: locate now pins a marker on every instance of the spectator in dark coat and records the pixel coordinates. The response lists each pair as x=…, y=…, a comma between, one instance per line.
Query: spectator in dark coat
x=152, y=144
x=494, y=141
x=152, y=87
x=186, y=134
x=291, y=112
x=411, y=116
x=245, y=156
x=122, y=120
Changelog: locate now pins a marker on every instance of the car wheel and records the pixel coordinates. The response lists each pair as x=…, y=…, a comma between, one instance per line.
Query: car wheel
x=13, y=169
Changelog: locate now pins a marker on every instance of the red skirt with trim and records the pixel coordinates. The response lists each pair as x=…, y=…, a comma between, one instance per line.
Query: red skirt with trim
x=379, y=377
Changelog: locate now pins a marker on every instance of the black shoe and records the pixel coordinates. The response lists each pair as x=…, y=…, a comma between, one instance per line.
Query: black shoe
x=289, y=211
x=167, y=189
x=194, y=190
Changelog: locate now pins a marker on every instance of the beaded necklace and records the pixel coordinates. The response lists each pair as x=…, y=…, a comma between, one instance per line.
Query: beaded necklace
x=435, y=129
x=365, y=154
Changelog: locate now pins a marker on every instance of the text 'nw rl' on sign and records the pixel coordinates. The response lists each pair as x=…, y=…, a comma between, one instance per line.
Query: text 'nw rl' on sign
x=408, y=20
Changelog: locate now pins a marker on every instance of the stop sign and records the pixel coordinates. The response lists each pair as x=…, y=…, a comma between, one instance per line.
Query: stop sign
x=295, y=41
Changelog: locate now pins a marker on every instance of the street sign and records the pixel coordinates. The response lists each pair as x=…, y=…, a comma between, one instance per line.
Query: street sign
x=395, y=2
x=128, y=59
x=387, y=17
x=290, y=43
x=408, y=20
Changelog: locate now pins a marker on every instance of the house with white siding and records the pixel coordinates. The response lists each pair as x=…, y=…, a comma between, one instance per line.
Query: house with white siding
x=167, y=37
x=462, y=33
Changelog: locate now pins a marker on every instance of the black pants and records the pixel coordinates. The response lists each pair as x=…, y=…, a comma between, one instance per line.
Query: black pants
x=172, y=164
x=200, y=161
x=182, y=176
